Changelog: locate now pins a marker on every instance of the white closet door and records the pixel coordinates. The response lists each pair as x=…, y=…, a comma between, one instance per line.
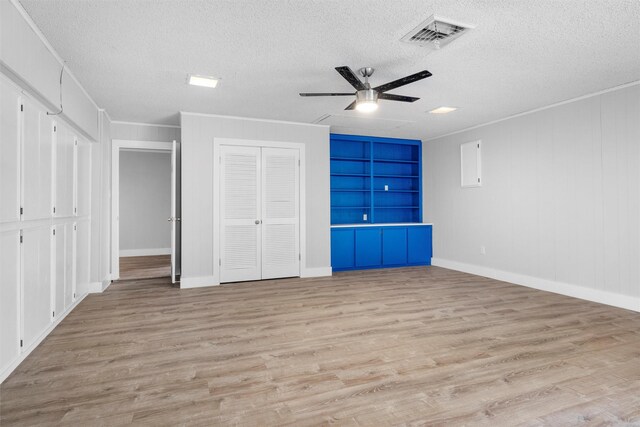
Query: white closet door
x=9, y=297
x=280, y=213
x=82, y=259
x=64, y=200
x=240, y=244
x=60, y=270
x=83, y=178
x=36, y=163
x=9, y=152
x=36, y=282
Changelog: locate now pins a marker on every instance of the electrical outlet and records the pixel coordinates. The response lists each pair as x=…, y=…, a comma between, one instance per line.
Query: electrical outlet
x=483, y=250
x=386, y=188
x=364, y=217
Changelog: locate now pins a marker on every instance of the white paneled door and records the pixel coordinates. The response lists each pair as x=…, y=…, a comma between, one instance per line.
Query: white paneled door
x=259, y=213
x=10, y=114
x=9, y=297
x=280, y=218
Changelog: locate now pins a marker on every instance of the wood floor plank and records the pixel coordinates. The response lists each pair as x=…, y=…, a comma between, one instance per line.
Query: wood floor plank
x=412, y=346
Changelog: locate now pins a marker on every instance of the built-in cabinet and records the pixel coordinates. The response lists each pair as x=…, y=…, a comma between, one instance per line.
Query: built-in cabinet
x=377, y=181
x=45, y=186
x=358, y=247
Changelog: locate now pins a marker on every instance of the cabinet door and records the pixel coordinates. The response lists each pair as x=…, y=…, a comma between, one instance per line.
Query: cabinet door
x=83, y=179
x=342, y=248
x=419, y=245
x=368, y=247
x=9, y=297
x=394, y=245
x=69, y=264
x=64, y=171
x=36, y=282
x=9, y=152
x=60, y=277
x=82, y=261
x=37, y=163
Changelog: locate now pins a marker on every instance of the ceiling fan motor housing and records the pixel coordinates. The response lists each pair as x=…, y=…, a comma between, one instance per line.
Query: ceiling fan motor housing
x=366, y=96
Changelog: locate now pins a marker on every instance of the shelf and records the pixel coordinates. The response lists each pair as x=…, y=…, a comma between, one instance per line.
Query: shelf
x=396, y=176
x=347, y=190
x=350, y=207
x=396, y=207
x=396, y=191
x=396, y=161
x=351, y=174
x=351, y=159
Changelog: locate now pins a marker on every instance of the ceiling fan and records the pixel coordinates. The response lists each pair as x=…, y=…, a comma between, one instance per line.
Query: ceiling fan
x=366, y=96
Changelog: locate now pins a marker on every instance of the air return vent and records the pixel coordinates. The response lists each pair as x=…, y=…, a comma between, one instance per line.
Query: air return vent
x=436, y=32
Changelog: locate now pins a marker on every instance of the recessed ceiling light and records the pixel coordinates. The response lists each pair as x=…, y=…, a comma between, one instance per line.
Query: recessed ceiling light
x=443, y=110
x=205, y=81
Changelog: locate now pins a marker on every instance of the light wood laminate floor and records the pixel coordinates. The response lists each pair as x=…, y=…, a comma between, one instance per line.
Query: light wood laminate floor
x=415, y=346
x=145, y=267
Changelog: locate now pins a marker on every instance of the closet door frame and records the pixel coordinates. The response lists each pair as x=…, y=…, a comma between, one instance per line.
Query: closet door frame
x=217, y=143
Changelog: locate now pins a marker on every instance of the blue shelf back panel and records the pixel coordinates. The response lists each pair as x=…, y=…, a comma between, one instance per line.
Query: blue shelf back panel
x=380, y=174
x=357, y=248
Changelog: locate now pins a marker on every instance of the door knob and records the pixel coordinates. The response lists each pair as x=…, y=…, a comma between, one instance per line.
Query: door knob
x=257, y=221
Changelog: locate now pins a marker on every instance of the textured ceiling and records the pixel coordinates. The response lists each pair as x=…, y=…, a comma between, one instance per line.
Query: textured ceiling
x=133, y=56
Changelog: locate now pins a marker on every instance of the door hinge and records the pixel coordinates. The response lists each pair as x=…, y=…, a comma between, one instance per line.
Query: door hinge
x=54, y=314
x=54, y=231
x=478, y=179
x=220, y=261
x=21, y=237
x=21, y=210
x=299, y=257
x=74, y=294
x=478, y=145
x=75, y=227
x=54, y=209
x=75, y=210
x=21, y=107
x=20, y=343
x=54, y=128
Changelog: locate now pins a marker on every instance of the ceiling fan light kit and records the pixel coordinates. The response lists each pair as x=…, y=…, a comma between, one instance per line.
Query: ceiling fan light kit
x=366, y=96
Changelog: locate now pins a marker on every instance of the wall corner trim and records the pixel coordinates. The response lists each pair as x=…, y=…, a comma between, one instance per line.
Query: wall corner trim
x=567, y=289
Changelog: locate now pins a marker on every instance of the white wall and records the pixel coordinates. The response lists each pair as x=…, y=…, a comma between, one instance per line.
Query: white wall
x=559, y=205
x=144, y=132
x=198, y=132
x=26, y=56
x=145, y=203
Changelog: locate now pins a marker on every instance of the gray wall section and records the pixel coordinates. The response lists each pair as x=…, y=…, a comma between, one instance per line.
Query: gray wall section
x=144, y=132
x=145, y=200
x=198, y=133
x=559, y=199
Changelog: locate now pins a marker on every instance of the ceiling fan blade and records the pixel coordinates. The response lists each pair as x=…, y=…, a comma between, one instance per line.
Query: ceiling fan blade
x=351, y=77
x=326, y=94
x=403, y=81
x=351, y=106
x=401, y=98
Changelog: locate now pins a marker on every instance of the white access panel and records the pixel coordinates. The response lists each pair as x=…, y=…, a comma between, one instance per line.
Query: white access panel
x=470, y=164
x=280, y=212
x=9, y=152
x=36, y=282
x=64, y=166
x=83, y=178
x=60, y=277
x=9, y=297
x=37, y=149
x=240, y=231
x=82, y=260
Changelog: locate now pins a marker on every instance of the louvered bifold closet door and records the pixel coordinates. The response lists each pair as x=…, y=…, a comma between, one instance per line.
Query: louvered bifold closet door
x=280, y=213
x=240, y=246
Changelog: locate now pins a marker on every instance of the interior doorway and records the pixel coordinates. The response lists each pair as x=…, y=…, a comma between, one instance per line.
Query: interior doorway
x=145, y=210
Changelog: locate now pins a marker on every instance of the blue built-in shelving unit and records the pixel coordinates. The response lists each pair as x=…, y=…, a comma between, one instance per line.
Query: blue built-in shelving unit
x=376, y=203
x=375, y=180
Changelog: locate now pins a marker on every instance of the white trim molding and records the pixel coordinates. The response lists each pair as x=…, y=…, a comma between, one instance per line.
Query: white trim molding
x=144, y=252
x=198, y=282
x=222, y=116
x=316, y=272
x=575, y=291
x=120, y=122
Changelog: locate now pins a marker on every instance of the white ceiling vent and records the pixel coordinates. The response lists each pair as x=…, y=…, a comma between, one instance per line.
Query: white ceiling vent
x=436, y=32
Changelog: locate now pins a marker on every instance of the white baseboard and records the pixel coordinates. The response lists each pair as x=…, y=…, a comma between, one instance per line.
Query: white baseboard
x=145, y=252
x=581, y=292
x=97, y=287
x=26, y=351
x=198, y=282
x=316, y=272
